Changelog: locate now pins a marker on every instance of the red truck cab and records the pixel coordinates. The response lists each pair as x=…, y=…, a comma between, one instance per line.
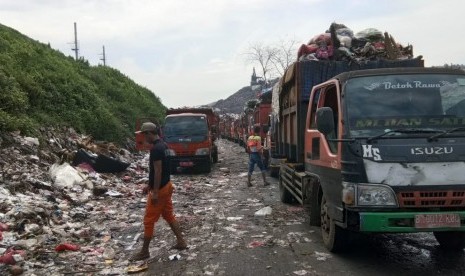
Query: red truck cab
x=190, y=134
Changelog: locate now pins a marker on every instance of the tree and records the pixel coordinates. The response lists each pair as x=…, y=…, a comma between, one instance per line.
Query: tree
x=273, y=59
x=285, y=55
x=263, y=56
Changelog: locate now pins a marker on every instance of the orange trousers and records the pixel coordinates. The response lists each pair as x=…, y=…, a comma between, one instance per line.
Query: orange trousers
x=164, y=208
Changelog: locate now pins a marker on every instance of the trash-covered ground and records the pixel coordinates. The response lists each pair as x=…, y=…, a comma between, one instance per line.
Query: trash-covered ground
x=92, y=225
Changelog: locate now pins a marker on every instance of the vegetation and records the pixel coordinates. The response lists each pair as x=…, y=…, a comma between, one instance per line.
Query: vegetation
x=40, y=86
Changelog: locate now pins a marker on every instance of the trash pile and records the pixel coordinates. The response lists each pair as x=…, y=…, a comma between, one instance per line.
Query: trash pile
x=58, y=218
x=341, y=44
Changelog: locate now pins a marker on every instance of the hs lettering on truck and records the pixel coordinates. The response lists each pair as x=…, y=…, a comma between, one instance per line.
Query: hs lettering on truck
x=370, y=152
x=431, y=150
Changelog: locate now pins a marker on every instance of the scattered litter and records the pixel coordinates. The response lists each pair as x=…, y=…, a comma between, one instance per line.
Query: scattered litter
x=255, y=244
x=225, y=170
x=175, y=257
x=114, y=194
x=234, y=218
x=320, y=256
x=137, y=268
x=67, y=247
x=264, y=212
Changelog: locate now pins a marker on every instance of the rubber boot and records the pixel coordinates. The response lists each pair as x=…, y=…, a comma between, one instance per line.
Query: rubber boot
x=144, y=253
x=265, y=183
x=180, y=242
x=249, y=180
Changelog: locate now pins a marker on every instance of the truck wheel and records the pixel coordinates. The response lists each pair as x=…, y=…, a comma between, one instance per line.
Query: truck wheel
x=215, y=157
x=314, y=208
x=334, y=237
x=207, y=166
x=274, y=172
x=451, y=240
x=285, y=195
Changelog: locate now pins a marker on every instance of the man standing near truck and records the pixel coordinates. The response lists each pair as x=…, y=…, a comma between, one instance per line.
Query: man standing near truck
x=160, y=190
x=255, y=150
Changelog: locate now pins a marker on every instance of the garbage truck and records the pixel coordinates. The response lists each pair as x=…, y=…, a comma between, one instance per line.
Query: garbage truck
x=190, y=134
x=377, y=150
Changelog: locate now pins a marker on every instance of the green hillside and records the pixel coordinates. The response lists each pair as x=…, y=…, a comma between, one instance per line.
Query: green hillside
x=40, y=86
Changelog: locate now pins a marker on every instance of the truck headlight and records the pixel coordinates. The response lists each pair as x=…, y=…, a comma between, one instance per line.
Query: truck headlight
x=375, y=195
x=170, y=152
x=202, y=151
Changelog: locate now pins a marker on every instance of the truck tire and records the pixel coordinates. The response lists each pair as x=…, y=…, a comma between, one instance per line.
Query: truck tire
x=215, y=156
x=207, y=166
x=334, y=238
x=274, y=172
x=285, y=195
x=454, y=241
x=313, y=204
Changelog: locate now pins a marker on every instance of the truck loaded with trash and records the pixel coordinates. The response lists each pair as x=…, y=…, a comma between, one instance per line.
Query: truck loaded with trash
x=373, y=141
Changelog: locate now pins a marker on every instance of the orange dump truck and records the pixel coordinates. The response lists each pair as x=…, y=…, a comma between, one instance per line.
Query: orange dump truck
x=190, y=134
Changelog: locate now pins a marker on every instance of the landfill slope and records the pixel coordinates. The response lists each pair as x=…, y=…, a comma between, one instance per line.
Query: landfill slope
x=41, y=86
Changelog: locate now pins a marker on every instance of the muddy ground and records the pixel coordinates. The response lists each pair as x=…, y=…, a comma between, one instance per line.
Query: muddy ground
x=226, y=238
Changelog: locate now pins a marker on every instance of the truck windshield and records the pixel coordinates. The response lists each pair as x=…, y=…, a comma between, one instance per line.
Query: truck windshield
x=194, y=127
x=378, y=104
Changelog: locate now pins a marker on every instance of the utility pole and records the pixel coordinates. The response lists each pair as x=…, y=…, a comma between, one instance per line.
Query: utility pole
x=104, y=58
x=76, y=48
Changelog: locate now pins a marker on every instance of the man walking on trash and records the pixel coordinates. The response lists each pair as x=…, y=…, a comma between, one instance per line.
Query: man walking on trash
x=160, y=190
x=255, y=150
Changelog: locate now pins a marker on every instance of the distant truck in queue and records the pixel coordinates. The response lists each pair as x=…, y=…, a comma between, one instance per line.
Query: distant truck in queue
x=376, y=150
x=191, y=134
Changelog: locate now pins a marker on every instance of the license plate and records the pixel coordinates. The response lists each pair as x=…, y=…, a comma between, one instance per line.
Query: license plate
x=437, y=220
x=186, y=164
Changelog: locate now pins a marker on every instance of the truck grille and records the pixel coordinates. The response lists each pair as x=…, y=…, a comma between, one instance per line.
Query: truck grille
x=431, y=199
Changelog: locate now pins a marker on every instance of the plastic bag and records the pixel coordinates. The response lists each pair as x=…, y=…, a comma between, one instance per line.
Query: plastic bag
x=318, y=39
x=370, y=34
x=67, y=246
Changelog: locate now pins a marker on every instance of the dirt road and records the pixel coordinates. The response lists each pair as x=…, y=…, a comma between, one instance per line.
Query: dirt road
x=226, y=238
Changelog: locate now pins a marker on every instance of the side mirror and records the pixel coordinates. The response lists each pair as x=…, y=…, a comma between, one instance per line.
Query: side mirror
x=325, y=120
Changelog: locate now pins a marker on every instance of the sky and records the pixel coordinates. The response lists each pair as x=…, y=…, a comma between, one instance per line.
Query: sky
x=193, y=52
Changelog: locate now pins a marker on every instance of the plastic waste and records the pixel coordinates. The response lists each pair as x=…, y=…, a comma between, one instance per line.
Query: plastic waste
x=109, y=253
x=175, y=257
x=12, y=256
x=264, y=212
x=67, y=247
x=65, y=176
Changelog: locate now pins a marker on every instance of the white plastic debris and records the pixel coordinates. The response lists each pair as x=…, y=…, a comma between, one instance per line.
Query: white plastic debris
x=65, y=176
x=30, y=141
x=234, y=218
x=320, y=256
x=266, y=211
x=175, y=257
x=114, y=194
x=301, y=272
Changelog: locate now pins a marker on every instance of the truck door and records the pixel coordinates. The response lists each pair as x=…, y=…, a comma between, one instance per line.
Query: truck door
x=322, y=156
x=318, y=148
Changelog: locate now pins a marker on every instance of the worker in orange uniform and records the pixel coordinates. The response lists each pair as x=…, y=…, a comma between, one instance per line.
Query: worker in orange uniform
x=160, y=190
x=255, y=150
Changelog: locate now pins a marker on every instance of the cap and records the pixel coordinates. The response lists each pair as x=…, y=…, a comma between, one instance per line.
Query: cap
x=148, y=126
